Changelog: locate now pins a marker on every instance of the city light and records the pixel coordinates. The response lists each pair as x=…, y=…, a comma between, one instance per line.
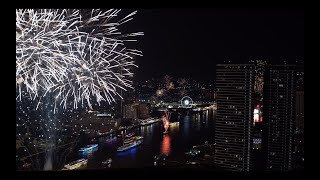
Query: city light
x=203, y=97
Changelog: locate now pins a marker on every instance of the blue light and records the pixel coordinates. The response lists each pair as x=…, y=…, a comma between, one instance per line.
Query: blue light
x=131, y=152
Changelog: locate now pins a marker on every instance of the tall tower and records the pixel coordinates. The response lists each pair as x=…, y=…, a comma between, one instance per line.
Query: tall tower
x=234, y=121
x=279, y=115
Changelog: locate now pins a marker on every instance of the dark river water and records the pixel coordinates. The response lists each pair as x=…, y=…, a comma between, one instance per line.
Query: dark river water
x=193, y=129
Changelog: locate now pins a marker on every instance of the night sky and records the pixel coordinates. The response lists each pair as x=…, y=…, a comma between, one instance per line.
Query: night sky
x=190, y=42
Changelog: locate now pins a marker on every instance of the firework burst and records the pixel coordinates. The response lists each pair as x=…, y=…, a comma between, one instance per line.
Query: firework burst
x=76, y=55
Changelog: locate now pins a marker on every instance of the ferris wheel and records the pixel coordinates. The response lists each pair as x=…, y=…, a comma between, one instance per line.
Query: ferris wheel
x=186, y=102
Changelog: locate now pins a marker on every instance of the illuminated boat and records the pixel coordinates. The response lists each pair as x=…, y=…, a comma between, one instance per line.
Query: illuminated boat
x=80, y=163
x=174, y=124
x=126, y=147
x=107, y=162
x=129, y=135
x=149, y=121
x=131, y=140
x=88, y=147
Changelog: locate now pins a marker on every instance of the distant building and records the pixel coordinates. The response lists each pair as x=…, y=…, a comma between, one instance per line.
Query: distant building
x=300, y=99
x=298, y=152
x=299, y=112
x=279, y=115
x=144, y=111
x=234, y=120
x=130, y=111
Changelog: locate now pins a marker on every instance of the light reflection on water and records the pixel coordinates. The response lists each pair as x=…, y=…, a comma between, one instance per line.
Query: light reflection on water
x=193, y=129
x=132, y=152
x=166, y=145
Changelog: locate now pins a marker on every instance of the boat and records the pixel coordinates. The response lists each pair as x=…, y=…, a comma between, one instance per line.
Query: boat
x=80, y=163
x=88, y=147
x=107, y=162
x=148, y=121
x=109, y=140
x=132, y=139
x=160, y=157
x=129, y=135
x=126, y=147
x=104, y=115
x=174, y=124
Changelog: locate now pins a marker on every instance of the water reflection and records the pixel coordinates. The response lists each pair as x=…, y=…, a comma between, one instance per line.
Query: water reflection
x=193, y=129
x=147, y=130
x=205, y=118
x=108, y=140
x=186, y=126
x=132, y=152
x=174, y=128
x=166, y=145
x=197, y=122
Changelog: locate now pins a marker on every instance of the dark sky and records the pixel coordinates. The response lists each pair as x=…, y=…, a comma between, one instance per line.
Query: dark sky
x=190, y=42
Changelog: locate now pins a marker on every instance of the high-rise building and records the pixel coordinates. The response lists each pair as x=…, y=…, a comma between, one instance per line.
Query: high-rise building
x=299, y=124
x=298, y=141
x=234, y=120
x=279, y=115
x=300, y=99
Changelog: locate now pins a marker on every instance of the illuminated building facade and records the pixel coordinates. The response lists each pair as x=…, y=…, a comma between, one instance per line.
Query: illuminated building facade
x=298, y=152
x=144, y=111
x=234, y=120
x=279, y=115
x=130, y=111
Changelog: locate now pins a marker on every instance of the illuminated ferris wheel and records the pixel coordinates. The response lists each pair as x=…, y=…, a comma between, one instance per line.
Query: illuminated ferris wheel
x=186, y=102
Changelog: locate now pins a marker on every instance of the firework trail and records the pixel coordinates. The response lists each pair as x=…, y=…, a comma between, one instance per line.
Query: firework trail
x=160, y=92
x=258, y=86
x=168, y=85
x=183, y=83
x=168, y=82
x=166, y=120
x=78, y=55
x=71, y=57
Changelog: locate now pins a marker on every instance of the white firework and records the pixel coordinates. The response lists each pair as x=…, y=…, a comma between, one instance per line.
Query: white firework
x=76, y=55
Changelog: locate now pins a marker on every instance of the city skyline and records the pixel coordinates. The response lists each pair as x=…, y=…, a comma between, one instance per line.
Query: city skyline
x=216, y=89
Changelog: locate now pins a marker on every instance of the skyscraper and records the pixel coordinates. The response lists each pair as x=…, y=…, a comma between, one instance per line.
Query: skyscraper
x=279, y=115
x=234, y=121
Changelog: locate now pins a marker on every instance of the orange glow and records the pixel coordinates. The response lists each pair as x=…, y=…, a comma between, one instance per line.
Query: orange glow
x=166, y=145
x=165, y=121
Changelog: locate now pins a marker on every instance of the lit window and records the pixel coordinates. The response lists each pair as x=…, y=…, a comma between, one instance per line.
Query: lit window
x=280, y=85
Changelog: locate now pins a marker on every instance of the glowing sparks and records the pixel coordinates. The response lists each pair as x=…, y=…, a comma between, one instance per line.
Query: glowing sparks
x=258, y=87
x=166, y=120
x=76, y=55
